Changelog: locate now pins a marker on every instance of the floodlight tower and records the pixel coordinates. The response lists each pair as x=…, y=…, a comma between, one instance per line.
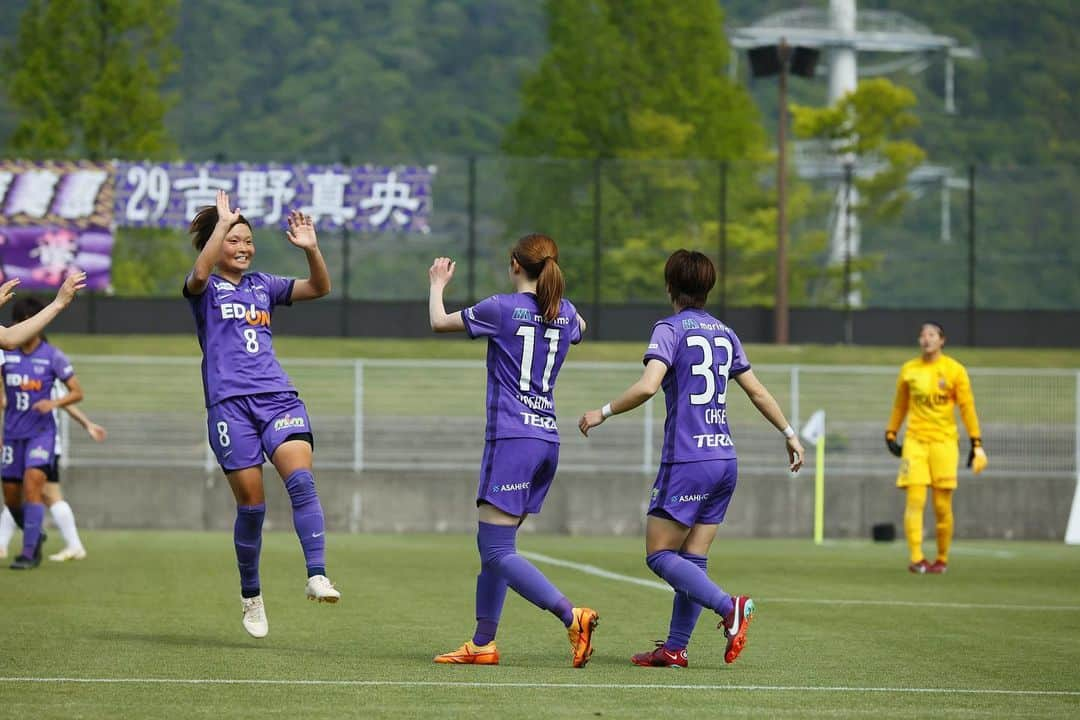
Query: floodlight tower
x=890, y=42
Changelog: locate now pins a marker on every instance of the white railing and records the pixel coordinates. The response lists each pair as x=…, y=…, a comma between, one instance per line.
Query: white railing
x=429, y=415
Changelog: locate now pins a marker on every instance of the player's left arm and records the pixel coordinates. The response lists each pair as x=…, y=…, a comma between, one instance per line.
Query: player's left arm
x=646, y=386
x=301, y=233
x=965, y=399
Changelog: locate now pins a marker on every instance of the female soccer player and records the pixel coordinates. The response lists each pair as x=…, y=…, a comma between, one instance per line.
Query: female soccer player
x=29, y=427
x=252, y=407
x=529, y=333
x=20, y=415
x=927, y=390
x=692, y=355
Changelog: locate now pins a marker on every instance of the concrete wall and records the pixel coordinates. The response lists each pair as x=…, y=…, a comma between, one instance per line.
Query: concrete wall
x=764, y=506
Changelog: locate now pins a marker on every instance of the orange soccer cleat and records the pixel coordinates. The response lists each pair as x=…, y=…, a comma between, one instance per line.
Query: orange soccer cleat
x=580, y=633
x=735, y=624
x=471, y=654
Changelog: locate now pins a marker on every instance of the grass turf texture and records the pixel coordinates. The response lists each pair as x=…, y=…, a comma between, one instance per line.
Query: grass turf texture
x=165, y=605
x=458, y=347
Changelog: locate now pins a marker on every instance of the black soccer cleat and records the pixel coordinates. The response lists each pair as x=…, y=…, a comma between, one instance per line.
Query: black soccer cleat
x=24, y=563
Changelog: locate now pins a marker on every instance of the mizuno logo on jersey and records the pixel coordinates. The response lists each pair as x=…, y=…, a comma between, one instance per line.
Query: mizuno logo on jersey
x=253, y=316
x=690, y=324
x=23, y=382
x=527, y=314
x=288, y=422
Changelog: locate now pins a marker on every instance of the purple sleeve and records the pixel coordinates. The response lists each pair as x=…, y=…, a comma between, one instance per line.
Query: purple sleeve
x=61, y=366
x=739, y=362
x=279, y=288
x=661, y=344
x=575, y=324
x=483, y=318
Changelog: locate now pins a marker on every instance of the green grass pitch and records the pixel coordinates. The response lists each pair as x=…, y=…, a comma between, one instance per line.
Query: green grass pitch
x=841, y=631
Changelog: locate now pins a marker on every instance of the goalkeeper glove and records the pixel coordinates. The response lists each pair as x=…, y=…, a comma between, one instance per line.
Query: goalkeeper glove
x=894, y=447
x=977, y=456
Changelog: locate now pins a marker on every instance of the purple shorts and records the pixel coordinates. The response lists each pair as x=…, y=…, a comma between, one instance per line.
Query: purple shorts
x=245, y=429
x=694, y=492
x=37, y=451
x=516, y=474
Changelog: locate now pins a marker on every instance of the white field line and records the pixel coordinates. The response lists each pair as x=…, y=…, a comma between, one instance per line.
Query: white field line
x=541, y=685
x=600, y=572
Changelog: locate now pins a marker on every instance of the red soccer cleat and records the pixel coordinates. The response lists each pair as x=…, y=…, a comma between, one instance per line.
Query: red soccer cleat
x=580, y=634
x=920, y=568
x=735, y=624
x=940, y=567
x=661, y=657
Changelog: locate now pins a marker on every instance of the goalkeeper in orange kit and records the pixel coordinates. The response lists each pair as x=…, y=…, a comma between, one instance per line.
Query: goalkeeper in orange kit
x=927, y=389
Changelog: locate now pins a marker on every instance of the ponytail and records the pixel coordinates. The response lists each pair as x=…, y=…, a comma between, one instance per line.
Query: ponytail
x=549, y=289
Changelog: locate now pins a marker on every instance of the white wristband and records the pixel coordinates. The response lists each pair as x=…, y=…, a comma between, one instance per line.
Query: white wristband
x=788, y=432
x=606, y=411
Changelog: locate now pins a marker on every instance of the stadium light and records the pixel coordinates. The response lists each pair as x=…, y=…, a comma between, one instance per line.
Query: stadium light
x=765, y=61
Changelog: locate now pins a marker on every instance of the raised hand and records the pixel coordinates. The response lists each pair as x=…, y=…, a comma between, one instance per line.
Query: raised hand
x=74, y=282
x=224, y=212
x=301, y=232
x=441, y=271
x=7, y=291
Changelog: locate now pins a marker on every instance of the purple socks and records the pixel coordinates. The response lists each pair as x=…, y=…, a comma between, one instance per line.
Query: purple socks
x=502, y=566
x=308, y=520
x=684, y=611
x=33, y=518
x=247, y=537
x=689, y=579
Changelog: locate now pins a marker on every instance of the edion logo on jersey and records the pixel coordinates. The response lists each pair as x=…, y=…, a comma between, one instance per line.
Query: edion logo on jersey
x=288, y=422
x=253, y=316
x=23, y=382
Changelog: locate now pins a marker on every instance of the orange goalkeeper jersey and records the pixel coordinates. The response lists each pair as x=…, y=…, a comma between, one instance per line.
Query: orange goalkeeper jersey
x=927, y=392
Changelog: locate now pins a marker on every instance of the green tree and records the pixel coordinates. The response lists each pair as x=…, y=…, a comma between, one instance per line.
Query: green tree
x=84, y=78
x=641, y=89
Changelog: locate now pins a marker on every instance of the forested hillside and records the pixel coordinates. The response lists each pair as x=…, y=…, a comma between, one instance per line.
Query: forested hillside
x=408, y=79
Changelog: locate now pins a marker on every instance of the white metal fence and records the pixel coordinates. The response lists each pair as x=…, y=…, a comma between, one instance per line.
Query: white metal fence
x=429, y=414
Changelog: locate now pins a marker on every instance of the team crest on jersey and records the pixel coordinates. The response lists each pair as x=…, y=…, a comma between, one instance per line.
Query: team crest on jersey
x=690, y=324
x=941, y=383
x=523, y=314
x=261, y=296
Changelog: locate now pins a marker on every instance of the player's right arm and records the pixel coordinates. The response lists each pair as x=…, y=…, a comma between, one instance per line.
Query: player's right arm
x=440, y=273
x=899, y=411
x=19, y=333
x=199, y=276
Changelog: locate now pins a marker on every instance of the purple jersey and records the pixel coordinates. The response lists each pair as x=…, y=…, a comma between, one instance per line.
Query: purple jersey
x=701, y=354
x=28, y=378
x=523, y=359
x=233, y=325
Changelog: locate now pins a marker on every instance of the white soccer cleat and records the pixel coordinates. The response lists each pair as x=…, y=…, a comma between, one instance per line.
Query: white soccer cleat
x=69, y=553
x=255, y=616
x=320, y=588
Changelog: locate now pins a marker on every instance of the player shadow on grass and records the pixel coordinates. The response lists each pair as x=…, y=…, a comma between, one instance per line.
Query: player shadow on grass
x=205, y=641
